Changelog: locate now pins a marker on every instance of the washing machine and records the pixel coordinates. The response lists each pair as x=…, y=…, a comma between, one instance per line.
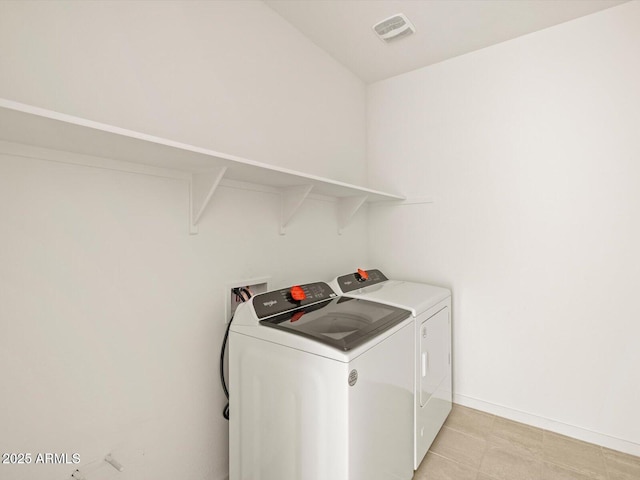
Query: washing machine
x=430, y=308
x=320, y=387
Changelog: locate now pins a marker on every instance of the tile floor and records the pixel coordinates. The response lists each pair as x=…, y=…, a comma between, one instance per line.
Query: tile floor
x=474, y=445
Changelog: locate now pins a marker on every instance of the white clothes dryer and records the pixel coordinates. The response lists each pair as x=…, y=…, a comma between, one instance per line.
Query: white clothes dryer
x=320, y=388
x=430, y=308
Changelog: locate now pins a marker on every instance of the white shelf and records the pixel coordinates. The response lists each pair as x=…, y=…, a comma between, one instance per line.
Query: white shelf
x=26, y=124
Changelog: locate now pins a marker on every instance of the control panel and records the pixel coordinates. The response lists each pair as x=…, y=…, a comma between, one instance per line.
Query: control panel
x=285, y=299
x=360, y=279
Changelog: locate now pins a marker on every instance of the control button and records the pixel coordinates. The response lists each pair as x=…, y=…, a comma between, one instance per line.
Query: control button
x=297, y=293
x=362, y=275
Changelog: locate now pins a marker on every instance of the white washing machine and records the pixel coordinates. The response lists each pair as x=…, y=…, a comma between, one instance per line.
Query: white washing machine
x=431, y=310
x=320, y=388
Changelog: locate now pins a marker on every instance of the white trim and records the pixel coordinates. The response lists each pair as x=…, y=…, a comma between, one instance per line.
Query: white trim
x=556, y=426
x=406, y=201
x=83, y=160
x=213, y=179
x=255, y=187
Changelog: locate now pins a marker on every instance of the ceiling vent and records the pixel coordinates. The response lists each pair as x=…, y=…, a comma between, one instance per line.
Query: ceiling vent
x=394, y=27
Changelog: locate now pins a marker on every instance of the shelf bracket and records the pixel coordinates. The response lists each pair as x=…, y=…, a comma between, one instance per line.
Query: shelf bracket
x=291, y=200
x=347, y=208
x=201, y=189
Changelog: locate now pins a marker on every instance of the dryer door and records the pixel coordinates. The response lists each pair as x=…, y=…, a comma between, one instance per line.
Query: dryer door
x=434, y=354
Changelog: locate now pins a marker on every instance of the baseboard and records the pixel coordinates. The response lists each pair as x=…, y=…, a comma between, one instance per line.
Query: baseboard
x=551, y=425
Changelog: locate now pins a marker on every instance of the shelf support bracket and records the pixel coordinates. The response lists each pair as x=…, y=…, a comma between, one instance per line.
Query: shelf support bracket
x=201, y=189
x=347, y=208
x=291, y=200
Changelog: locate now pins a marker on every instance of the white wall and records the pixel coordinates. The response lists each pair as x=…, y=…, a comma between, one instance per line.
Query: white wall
x=111, y=313
x=530, y=150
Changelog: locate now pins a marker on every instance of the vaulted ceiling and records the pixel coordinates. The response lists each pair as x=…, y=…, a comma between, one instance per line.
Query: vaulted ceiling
x=444, y=28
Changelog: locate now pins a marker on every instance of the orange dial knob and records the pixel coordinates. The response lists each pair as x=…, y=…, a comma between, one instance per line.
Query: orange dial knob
x=297, y=293
x=363, y=274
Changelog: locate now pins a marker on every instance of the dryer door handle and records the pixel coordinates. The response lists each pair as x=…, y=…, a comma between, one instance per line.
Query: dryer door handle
x=425, y=363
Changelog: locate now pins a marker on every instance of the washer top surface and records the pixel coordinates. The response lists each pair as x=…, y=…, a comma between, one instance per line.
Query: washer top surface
x=416, y=297
x=336, y=327
x=343, y=323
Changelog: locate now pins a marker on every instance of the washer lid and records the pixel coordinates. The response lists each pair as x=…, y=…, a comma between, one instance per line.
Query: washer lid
x=416, y=297
x=343, y=323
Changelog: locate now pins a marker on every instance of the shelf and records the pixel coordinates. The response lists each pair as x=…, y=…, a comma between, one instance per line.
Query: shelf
x=26, y=124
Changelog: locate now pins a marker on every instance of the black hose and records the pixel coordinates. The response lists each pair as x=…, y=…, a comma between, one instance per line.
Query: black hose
x=225, y=411
x=239, y=294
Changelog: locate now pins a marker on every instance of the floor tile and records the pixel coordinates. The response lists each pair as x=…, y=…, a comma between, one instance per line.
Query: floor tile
x=621, y=466
x=521, y=436
x=556, y=472
x=459, y=447
x=623, y=457
x=469, y=421
x=581, y=457
x=478, y=446
x=506, y=462
x=435, y=467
